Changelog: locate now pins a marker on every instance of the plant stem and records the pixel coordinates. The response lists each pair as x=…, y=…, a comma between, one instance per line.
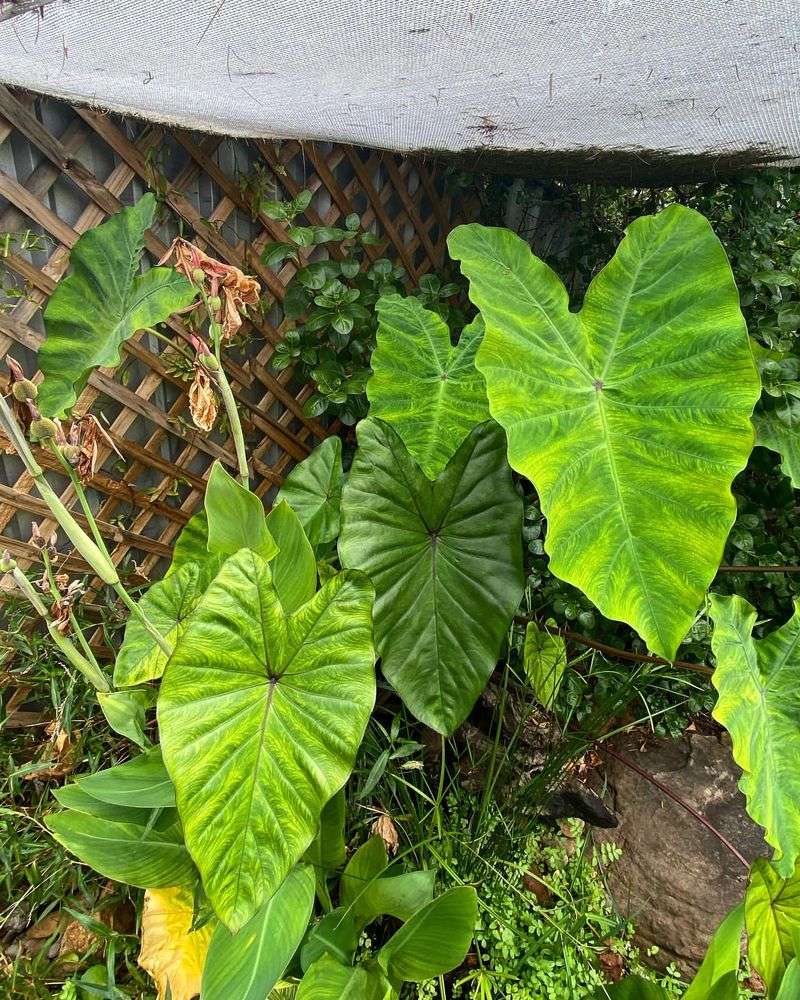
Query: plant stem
x=116, y=584
x=235, y=425
x=91, y=671
x=95, y=552
x=225, y=391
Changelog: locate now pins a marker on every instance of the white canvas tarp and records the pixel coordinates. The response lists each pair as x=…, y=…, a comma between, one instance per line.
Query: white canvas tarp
x=717, y=77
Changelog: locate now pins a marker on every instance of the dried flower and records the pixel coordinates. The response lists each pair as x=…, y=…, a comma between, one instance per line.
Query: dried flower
x=39, y=541
x=202, y=400
x=384, y=828
x=229, y=290
x=60, y=609
x=23, y=396
x=85, y=434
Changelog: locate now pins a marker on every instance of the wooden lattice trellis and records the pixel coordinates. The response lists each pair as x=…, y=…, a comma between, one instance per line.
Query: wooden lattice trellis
x=63, y=170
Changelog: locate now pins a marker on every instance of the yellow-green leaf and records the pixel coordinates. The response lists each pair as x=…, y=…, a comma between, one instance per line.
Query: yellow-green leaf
x=427, y=389
x=631, y=418
x=261, y=714
x=758, y=686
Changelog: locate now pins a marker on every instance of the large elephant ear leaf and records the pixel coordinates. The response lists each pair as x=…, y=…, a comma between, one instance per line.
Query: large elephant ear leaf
x=631, y=418
x=102, y=303
x=313, y=489
x=446, y=561
x=428, y=390
x=758, y=686
x=772, y=919
x=261, y=715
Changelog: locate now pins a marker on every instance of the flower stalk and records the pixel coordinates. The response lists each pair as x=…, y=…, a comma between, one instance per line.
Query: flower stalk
x=93, y=551
x=90, y=670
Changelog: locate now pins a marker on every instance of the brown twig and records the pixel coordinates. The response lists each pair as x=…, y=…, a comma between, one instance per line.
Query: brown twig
x=622, y=654
x=759, y=569
x=677, y=799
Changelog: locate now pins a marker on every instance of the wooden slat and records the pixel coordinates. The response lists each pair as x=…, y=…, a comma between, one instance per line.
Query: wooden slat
x=145, y=499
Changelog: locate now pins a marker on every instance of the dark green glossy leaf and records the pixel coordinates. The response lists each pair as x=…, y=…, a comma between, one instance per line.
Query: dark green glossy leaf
x=313, y=489
x=631, y=418
x=429, y=391
x=260, y=716
x=446, y=561
x=148, y=858
x=103, y=302
x=246, y=965
x=236, y=517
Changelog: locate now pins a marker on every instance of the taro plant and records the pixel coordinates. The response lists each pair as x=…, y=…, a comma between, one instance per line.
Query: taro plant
x=630, y=418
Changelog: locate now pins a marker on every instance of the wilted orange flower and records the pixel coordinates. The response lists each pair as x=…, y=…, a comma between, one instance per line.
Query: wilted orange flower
x=202, y=400
x=233, y=287
x=84, y=439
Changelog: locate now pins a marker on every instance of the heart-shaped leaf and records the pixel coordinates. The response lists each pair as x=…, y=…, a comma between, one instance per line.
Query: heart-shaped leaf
x=102, y=303
x=758, y=683
x=313, y=489
x=428, y=390
x=446, y=561
x=544, y=659
x=772, y=918
x=631, y=418
x=260, y=716
x=247, y=965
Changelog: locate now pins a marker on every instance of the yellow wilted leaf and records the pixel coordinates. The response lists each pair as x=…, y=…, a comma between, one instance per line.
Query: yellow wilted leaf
x=171, y=953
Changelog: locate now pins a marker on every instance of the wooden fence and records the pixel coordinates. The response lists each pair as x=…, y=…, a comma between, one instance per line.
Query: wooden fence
x=65, y=169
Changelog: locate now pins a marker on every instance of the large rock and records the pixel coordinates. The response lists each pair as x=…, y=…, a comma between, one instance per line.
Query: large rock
x=675, y=879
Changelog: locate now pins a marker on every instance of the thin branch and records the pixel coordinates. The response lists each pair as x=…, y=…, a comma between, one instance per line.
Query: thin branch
x=759, y=569
x=622, y=654
x=676, y=798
